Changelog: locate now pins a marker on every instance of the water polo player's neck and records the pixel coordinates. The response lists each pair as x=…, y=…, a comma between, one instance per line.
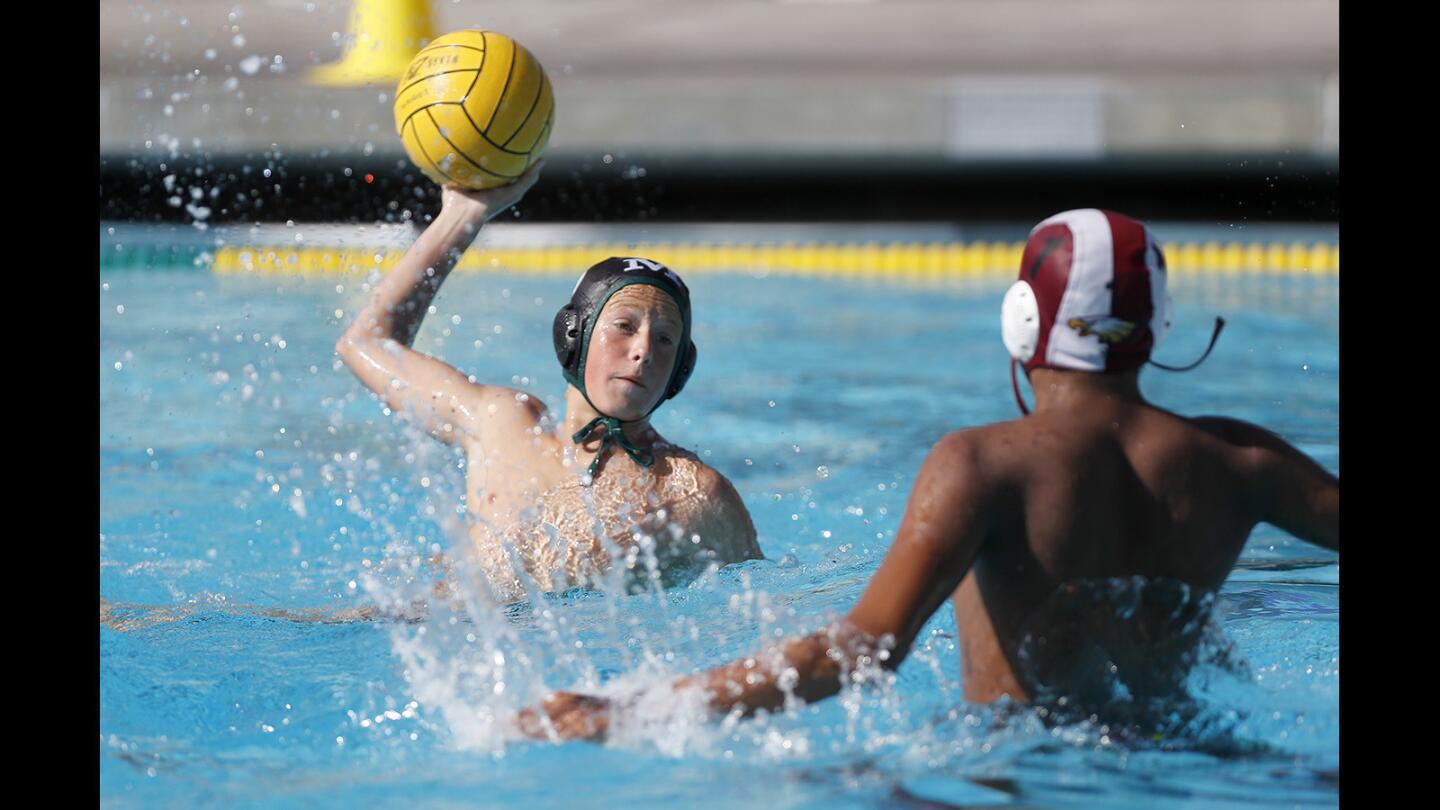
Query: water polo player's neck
x=578, y=414
x=1062, y=389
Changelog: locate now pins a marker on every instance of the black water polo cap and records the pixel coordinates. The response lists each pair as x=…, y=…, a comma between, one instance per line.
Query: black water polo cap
x=576, y=320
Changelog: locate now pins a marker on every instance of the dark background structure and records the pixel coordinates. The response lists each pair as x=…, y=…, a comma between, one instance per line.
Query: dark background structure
x=758, y=110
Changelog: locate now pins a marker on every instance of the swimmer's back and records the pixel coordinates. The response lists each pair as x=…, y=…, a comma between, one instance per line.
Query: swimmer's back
x=1119, y=491
x=1133, y=490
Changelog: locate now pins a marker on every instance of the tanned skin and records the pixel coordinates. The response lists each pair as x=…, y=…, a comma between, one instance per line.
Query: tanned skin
x=514, y=464
x=1097, y=483
x=522, y=469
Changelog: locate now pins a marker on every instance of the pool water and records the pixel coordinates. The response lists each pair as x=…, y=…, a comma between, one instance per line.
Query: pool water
x=244, y=475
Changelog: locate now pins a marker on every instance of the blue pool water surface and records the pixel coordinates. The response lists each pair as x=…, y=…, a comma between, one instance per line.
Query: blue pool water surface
x=243, y=473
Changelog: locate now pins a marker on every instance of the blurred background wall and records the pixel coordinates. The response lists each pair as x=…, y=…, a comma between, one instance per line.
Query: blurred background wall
x=755, y=110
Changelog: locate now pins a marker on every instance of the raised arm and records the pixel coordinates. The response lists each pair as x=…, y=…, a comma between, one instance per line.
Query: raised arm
x=376, y=347
x=944, y=526
x=1287, y=488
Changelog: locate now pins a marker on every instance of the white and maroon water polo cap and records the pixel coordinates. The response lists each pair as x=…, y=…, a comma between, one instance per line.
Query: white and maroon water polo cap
x=1091, y=294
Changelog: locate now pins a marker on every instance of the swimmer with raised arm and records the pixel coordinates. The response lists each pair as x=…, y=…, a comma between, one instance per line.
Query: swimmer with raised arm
x=568, y=495
x=1020, y=524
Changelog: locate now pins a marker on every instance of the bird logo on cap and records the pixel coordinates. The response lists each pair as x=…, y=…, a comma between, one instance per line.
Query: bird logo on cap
x=1110, y=330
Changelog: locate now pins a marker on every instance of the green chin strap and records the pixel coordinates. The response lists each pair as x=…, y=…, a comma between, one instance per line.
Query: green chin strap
x=614, y=432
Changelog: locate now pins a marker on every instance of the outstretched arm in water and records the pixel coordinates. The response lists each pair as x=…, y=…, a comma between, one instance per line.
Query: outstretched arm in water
x=376, y=347
x=940, y=536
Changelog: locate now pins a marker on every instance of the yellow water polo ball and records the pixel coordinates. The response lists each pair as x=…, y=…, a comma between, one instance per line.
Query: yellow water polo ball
x=474, y=109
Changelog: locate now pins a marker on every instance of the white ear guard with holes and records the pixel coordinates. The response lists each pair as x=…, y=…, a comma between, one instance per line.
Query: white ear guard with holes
x=1020, y=321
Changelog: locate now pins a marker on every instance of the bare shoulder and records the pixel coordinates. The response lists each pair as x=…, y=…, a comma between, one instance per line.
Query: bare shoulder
x=501, y=421
x=712, y=503
x=523, y=404
x=497, y=407
x=718, y=489
x=974, y=457
x=967, y=443
x=688, y=474
x=1251, y=446
x=1259, y=452
x=1234, y=431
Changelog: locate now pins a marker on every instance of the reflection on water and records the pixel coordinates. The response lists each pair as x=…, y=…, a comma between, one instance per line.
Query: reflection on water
x=236, y=460
x=1122, y=640
x=1123, y=653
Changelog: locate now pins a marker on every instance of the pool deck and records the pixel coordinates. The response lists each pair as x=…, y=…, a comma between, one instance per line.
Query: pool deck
x=981, y=79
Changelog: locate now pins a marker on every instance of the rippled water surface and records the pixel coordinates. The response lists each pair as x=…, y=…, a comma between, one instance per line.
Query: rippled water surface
x=247, y=482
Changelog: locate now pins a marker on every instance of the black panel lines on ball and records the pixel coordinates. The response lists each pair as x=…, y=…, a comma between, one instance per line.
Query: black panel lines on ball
x=545, y=128
x=433, y=75
x=461, y=152
x=419, y=110
x=408, y=118
x=484, y=55
x=510, y=74
x=455, y=45
x=539, y=94
x=539, y=136
x=415, y=134
x=482, y=134
x=422, y=53
x=480, y=51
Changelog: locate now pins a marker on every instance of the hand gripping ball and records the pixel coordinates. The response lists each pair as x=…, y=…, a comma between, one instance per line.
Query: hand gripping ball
x=474, y=109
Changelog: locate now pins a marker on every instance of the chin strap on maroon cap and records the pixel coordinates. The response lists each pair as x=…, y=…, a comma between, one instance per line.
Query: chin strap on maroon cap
x=1219, y=324
x=1015, y=384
